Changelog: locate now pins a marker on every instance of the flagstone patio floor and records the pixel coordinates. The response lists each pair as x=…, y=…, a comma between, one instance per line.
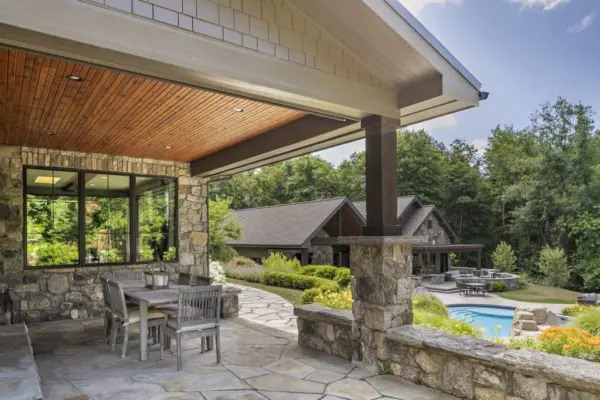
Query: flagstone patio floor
x=259, y=362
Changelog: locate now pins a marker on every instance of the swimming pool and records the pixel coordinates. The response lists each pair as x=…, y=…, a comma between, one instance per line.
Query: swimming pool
x=496, y=321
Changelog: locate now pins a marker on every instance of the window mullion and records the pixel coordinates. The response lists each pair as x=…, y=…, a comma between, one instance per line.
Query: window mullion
x=133, y=223
x=81, y=216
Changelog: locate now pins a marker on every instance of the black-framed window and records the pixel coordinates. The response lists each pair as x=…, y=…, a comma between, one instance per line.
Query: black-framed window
x=79, y=218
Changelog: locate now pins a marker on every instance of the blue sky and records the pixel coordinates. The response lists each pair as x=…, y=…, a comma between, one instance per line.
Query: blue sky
x=525, y=52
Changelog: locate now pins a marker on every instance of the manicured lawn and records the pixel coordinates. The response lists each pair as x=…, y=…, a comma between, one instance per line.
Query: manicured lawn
x=291, y=295
x=541, y=294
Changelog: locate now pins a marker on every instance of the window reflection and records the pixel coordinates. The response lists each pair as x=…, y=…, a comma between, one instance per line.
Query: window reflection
x=106, y=218
x=155, y=199
x=52, y=216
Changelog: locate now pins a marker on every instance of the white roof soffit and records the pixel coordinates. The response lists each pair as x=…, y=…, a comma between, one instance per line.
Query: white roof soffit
x=430, y=82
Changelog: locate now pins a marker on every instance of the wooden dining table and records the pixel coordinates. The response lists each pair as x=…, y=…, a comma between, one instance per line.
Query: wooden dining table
x=144, y=297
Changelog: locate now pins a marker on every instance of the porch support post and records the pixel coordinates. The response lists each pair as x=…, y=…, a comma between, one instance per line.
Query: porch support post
x=381, y=291
x=438, y=262
x=478, y=258
x=382, y=215
x=304, y=257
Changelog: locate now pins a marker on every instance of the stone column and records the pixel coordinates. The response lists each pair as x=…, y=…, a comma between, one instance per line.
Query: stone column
x=381, y=290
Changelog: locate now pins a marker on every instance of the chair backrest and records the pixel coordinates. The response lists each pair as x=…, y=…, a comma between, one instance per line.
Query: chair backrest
x=105, y=291
x=117, y=300
x=199, y=305
x=184, y=278
x=128, y=275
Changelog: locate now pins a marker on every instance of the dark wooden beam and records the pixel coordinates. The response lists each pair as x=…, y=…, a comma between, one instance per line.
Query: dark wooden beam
x=380, y=155
x=279, y=138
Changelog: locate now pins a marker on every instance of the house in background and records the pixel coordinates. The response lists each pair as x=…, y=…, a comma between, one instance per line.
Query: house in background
x=290, y=229
x=302, y=230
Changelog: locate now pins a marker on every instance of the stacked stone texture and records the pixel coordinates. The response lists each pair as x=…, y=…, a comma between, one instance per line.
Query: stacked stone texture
x=47, y=294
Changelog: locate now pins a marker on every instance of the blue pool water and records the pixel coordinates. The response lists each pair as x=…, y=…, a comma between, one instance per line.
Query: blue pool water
x=495, y=321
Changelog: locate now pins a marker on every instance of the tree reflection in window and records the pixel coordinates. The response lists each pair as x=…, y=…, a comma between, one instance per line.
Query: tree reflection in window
x=106, y=218
x=52, y=207
x=156, y=219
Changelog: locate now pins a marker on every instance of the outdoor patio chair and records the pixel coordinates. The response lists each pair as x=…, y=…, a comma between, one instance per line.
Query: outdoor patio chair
x=127, y=275
x=198, y=313
x=462, y=288
x=108, y=314
x=124, y=317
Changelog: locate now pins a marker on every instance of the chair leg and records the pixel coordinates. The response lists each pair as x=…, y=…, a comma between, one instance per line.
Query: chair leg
x=107, y=328
x=161, y=340
x=179, y=360
x=218, y=345
x=125, y=340
x=114, y=329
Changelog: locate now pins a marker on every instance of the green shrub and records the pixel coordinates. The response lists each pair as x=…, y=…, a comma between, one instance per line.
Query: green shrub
x=239, y=260
x=553, y=264
x=244, y=272
x=340, y=300
x=445, y=324
x=504, y=257
x=343, y=277
x=296, y=281
x=322, y=271
x=277, y=262
x=339, y=274
x=309, y=295
x=429, y=304
x=574, y=309
x=498, y=287
x=588, y=319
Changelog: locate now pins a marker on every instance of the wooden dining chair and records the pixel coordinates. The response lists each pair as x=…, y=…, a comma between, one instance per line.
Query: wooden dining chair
x=124, y=318
x=108, y=313
x=198, y=313
x=128, y=275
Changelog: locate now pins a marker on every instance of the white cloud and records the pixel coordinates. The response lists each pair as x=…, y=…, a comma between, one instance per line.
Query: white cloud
x=416, y=6
x=547, y=5
x=583, y=24
x=479, y=144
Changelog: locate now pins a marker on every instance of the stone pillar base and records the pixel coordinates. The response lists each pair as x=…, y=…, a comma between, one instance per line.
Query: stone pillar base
x=382, y=288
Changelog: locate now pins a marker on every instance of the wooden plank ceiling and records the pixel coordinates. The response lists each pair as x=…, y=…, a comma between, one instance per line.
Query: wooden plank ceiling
x=118, y=113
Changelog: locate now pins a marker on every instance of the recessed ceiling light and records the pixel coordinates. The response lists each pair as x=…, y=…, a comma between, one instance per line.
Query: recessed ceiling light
x=238, y=109
x=75, y=78
x=49, y=133
x=46, y=180
x=168, y=147
x=103, y=177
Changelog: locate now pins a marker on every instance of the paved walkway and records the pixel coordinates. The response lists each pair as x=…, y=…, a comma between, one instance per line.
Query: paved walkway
x=267, y=308
x=492, y=299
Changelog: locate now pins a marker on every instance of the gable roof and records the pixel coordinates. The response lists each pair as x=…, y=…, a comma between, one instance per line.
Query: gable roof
x=286, y=225
x=416, y=219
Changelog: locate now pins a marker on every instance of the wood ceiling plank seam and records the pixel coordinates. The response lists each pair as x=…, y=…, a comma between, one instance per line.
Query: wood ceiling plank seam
x=148, y=89
x=91, y=105
x=62, y=108
x=91, y=89
x=105, y=101
x=14, y=117
x=152, y=126
x=152, y=89
x=149, y=117
x=121, y=110
x=196, y=101
x=112, y=113
x=4, y=61
x=81, y=92
x=42, y=75
x=32, y=81
x=57, y=87
x=42, y=103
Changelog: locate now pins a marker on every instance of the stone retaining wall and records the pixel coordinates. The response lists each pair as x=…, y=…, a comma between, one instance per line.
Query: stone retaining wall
x=326, y=330
x=48, y=294
x=461, y=366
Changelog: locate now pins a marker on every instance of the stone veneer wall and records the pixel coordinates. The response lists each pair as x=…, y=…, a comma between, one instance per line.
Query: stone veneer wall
x=46, y=294
x=461, y=366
